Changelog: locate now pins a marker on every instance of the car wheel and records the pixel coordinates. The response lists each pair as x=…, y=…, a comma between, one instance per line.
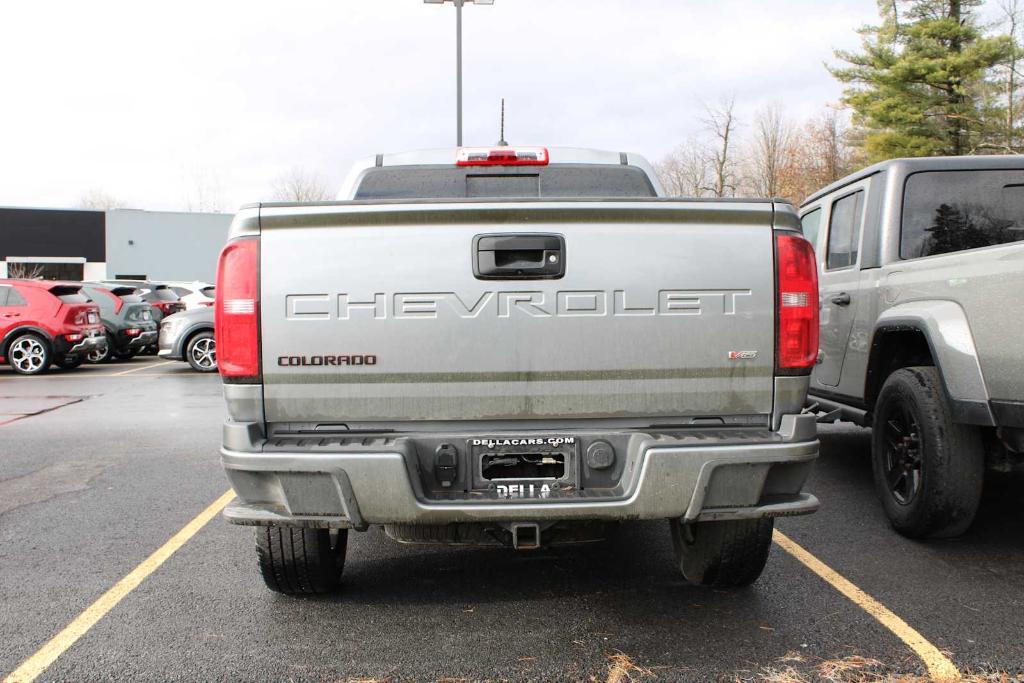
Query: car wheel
x=101, y=354
x=725, y=554
x=29, y=354
x=125, y=355
x=301, y=561
x=928, y=469
x=201, y=352
x=69, y=362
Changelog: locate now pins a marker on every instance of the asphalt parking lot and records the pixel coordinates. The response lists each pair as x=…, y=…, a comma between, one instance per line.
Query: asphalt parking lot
x=99, y=467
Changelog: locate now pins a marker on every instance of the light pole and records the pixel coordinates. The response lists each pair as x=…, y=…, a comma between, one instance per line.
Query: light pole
x=458, y=58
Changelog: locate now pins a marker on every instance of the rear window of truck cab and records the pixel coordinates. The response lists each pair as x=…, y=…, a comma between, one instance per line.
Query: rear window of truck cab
x=950, y=211
x=564, y=181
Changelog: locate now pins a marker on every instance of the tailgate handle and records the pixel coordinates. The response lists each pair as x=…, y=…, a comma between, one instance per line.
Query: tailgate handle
x=522, y=256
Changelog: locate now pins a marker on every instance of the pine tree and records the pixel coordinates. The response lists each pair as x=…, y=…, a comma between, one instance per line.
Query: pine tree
x=916, y=88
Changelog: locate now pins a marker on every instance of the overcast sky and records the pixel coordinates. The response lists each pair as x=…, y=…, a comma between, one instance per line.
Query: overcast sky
x=150, y=101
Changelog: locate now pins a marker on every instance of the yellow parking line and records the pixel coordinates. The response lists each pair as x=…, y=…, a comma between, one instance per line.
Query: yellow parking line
x=147, y=366
x=939, y=666
x=32, y=667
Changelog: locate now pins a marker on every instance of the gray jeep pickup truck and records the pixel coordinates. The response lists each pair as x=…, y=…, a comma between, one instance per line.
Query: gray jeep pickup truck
x=516, y=346
x=922, y=273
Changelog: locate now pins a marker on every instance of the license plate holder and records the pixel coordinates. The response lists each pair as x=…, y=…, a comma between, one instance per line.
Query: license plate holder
x=547, y=461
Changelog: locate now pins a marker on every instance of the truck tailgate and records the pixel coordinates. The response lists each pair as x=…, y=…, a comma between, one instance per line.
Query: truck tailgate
x=372, y=313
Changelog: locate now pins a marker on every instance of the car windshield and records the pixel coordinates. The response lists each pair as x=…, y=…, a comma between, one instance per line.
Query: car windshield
x=565, y=181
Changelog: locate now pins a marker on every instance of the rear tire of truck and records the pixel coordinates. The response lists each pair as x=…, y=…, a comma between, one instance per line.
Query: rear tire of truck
x=928, y=469
x=722, y=554
x=301, y=561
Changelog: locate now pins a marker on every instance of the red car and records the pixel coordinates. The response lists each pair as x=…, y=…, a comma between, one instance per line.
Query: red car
x=43, y=323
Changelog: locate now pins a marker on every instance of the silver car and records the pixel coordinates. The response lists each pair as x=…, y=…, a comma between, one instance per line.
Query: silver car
x=188, y=336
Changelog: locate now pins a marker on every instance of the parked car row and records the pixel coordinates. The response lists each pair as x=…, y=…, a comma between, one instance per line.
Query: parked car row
x=45, y=323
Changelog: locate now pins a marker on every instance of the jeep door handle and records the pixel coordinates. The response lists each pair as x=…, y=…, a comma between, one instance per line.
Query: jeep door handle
x=841, y=299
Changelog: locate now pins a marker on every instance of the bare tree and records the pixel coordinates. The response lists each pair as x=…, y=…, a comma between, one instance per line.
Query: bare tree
x=685, y=171
x=25, y=271
x=1012, y=13
x=770, y=149
x=205, y=192
x=721, y=123
x=819, y=153
x=99, y=200
x=301, y=185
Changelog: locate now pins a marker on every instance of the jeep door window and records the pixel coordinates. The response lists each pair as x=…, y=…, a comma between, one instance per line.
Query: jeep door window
x=809, y=225
x=844, y=231
x=949, y=211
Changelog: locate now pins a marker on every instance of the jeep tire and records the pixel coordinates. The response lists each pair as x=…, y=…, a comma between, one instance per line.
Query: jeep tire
x=298, y=561
x=928, y=469
x=725, y=554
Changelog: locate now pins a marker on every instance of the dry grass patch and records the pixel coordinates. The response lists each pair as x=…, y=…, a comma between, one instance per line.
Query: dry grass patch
x=621, y=669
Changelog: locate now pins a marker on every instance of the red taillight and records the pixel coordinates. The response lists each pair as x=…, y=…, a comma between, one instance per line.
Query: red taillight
x=236, y=317
x=74, y=337
x=501, y=156
x=797, y=278
x=133, y=332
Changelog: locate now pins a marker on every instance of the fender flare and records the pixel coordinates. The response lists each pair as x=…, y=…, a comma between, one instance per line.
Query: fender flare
x=11, y=334
x=945, y=326
x=187, y=334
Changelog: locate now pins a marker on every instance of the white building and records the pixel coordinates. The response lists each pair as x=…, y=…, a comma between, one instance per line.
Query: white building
x=121, y=243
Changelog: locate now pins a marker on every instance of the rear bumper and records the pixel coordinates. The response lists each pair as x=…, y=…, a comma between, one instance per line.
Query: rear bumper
x=137, y=343
x=94, y=338
x=698, y=481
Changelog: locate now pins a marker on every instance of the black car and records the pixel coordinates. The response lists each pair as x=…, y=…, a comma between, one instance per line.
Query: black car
x=127, y=318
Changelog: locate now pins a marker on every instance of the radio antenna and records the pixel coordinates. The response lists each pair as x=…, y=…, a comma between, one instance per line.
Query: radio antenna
x=501, y=137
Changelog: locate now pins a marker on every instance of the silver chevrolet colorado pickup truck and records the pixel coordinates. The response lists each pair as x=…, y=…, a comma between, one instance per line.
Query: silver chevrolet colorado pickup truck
x=922, y=271
x=515, y=346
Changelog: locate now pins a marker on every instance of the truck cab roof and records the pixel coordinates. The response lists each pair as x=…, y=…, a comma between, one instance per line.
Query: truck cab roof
x=636, y=178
